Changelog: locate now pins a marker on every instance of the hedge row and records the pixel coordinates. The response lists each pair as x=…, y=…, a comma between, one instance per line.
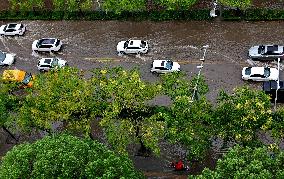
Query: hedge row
x=196, y=14
x=253, y=14
x=102, y=15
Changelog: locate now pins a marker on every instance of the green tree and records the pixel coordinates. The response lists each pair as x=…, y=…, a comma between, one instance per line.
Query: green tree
x=127, y=117
x=242, y=4
x=188, y=120
x=124, y=5
x=65, y=156
x=61, y=96
x=238, y=117
x=247, y=162
x=176, y=4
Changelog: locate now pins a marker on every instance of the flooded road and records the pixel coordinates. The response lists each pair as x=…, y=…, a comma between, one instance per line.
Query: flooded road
x=87, y=44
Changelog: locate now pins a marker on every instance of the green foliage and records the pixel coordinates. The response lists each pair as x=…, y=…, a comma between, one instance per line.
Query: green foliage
x=247, y=163
x=26, y=5
x=242, y=4
x=65, y=156
x=124, y=5
x=188, y=121
x=175, y=4
x=58, y=5
x=127, y=117
x=59, y=96
x=239, y=116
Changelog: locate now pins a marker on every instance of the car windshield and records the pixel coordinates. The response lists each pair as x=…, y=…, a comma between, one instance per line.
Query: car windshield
x=126, y=44
x=261, y=49
x=169, y=65
x=2, y=56
x=27, y=78
x=248, y=71
x=54, y=62
x=143, y=44
x=266, y=72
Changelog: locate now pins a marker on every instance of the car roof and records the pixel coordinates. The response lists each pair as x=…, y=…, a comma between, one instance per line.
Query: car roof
x=134, y=43
x=257, y=70
x=13, y=26
x=14, y=74
x=45, y=61
x=160, y=63
x=48, y=40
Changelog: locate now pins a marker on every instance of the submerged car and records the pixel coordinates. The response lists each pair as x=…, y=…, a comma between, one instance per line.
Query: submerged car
x=19, y=76
x=6, y=58
x=266, y=52
x=164, y=66
x=12, y=29
x=47, y=45
x=46, y=64
x=132, y=46
x=260, y=73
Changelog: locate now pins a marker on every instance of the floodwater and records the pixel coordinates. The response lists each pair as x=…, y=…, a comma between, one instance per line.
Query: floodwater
x=92, y=44
x=88, y=44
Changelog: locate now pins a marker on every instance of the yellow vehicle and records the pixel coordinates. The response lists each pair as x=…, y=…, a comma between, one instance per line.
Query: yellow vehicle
x=19, y=76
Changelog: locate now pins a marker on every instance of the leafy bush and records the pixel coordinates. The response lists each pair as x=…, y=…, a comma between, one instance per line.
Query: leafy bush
x=65, y=156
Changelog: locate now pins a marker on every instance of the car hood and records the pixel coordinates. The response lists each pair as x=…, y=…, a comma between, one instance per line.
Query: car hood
x=34, y=44
x=274, y=74
x=61, y=63
x=176, y=66
x=120, y=46
x=2, y=28
x=9, y=58
x=253, y=50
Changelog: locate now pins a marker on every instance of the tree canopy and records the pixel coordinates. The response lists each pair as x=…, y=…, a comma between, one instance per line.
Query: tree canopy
x=65, y=156
x=246, y=162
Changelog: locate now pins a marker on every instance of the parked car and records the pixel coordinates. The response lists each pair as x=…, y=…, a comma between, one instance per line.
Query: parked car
x=19, y=76
x=266, y=52
x=47, y=45
x=164, y=66
x=270, y=87
x=132, y=46
x=46, y=64
x=12, y=29
x=260, y=73
x=6, y=58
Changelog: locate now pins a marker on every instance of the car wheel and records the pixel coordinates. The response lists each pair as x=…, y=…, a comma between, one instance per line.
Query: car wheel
x=122, y=53
x=51, y=51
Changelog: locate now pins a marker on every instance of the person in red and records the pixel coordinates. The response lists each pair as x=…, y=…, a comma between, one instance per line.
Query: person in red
x=179, y=165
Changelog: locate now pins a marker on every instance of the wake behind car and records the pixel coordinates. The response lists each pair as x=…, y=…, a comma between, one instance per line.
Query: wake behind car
x=26, y=79
x=12, y=29
x=164, y=66
x=6, y=58
x=132, y=46
x=46, y=64
x=260, y=73
x=266, y=52
x=47, y=45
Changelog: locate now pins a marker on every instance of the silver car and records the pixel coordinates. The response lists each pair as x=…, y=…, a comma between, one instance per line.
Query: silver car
x=266, y=52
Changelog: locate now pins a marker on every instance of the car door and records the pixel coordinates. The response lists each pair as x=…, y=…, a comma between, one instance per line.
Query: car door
x=10, y=32
x=258, y=77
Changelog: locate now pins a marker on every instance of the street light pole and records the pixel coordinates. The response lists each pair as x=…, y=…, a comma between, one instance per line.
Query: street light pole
x=276, y=93
x=199, y=72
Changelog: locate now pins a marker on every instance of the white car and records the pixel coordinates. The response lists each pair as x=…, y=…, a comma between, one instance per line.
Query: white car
x=6, y=58
x=164, y=66
x=46, y=64
x=12, y=29
x=266, y=52
x=260, y=73
x=47, y=45
x=132, y=46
